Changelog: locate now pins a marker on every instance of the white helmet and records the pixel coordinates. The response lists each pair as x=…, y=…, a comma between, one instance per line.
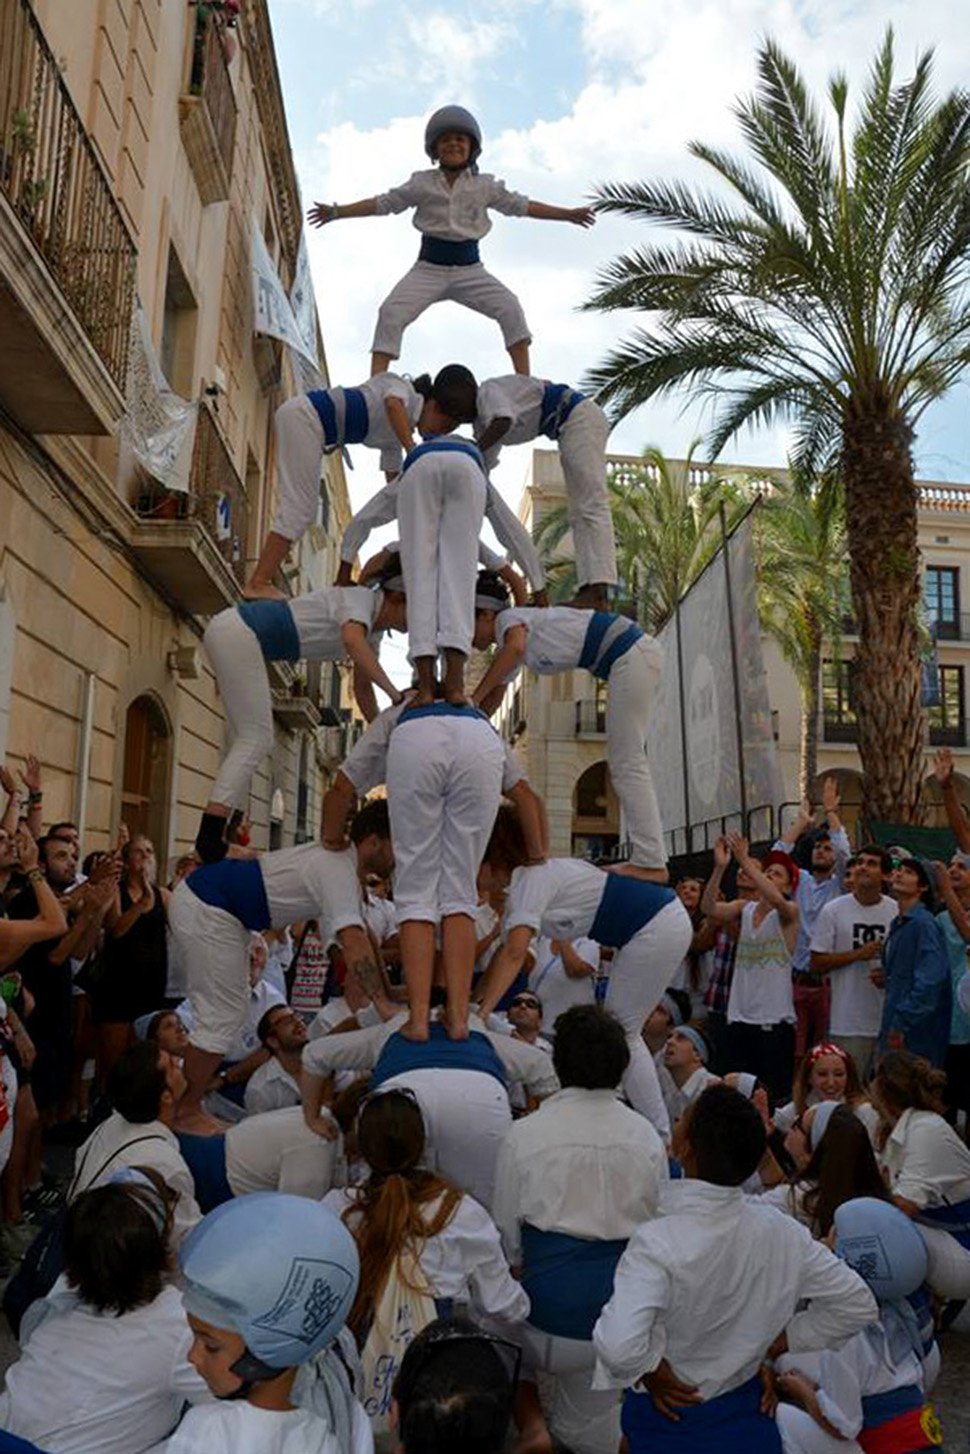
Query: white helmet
x=453, y=118
x=279, y=1270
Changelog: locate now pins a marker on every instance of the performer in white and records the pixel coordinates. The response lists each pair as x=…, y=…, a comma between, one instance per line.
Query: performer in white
x=611, y=648
x=451, y=205
x=516, y=409
x=214, y=910
x=382, y=414
x=645, y=923
x=326, y=625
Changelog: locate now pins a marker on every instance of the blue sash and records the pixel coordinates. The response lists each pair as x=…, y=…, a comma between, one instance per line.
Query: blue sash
x=558, y=402
x=953, y=1218
x=569, y=1280
x=627, y=904
x=356, y=419
x=400, y=1055
x=205, y=1156
x=13, y=1444
x=605, y=644
x=323, y=404
x=441, y=709
x=444, y=446
x=732, y=1423
x=271, y=622
x=921, y=1302
x=879, y=1408
x=447, y=254
x=235, y=885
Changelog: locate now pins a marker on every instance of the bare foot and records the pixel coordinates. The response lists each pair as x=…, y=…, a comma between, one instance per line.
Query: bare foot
x=534, y=1439
x=590, y=598
x=420, y=699
x=263, y=591
x=198, y=1123
x=637, y=870
x=456, y=1026
x=457, y=699
x=418, y=1033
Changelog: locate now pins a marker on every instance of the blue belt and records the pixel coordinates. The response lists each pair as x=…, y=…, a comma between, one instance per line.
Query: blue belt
x=13, y=1444
x=236, y=886
x=205, y=1156
x=401, y=1055
x=447, y=254
x=569, y=1280
x=442, y=709
x=732, y=1423
x=355, y=422
x=444, y=446
x=953, y=1218
x=594, y=657
x=271, y=622
x=627, y=904
x=558, y=402
x=879, y=1408
x=323, y=404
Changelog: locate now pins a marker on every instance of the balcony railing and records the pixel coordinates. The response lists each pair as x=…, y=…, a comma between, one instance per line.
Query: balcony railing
x=590, y=718
x=947, y=628
x=835, y=729
x=954, y=734
x=52, y=179
x=207, y=115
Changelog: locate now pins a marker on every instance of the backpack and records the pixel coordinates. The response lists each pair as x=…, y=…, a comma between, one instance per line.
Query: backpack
x=405, y=1307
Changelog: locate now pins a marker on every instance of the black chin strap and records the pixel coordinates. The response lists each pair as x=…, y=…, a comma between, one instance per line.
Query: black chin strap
x=251, y=1370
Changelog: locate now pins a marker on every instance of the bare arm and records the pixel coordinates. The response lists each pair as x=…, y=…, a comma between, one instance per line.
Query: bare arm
x=400, y=423
x=337, y=807
x=16, y=935
x=83, y=934
x=711, y=906
x=821, y=963
x=323, y=212
x=506, y=964
x=798, y=826
x=365, y=660
x=30, y=773
x=958, y=913
x=528, y=806
x=506, y=663
x=515, y=584
x=9, y=820
x=546, y=212
x=955, y=816
x=575, y=967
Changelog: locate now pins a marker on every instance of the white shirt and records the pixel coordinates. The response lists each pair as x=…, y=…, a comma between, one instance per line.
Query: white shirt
x=761, y=989
x=262, y=997
x=88, y=1380
x=311, y=882
x=366, y=763
x=558, y=991
x=380, y=916
x=515, y=397
x=335, y=1012
x=239, y=1427
x=117, y=1143
x=457, y=212
x=270, y=1088
x=555, y=635
x=926, y=1161
x=359, y=1050
x=678, y=1098
x=710, y=1284
x=844, y=924
x=320, y=615
x=277, y=1151
x=583, y=1164
x=464, y=1261
x=558, y=898
x=380, y=431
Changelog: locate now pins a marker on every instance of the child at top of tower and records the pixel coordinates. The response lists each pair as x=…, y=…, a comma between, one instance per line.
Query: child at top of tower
x=451, y=201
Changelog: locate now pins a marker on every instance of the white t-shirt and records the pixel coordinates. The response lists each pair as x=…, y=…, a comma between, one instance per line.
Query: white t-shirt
x=844, y=924
x=311, y=882
x=515, y=397
x=558, y=898
x=366, y=764
x=277, y=1151
x=320, y=615
x=556, y=635
x=335, y=1012
x=270, y=1088
x=239, y=1427
x=558, y=991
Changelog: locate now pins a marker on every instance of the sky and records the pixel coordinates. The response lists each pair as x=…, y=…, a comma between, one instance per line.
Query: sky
x=569, y=94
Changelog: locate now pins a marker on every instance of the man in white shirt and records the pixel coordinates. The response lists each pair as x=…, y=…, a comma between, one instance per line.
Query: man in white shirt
x=573, y=1181
x=710, y=1287
x=683, y=1069
x=277, y=1083
x=846, y=944
x=564, y=975
x=145, y=1087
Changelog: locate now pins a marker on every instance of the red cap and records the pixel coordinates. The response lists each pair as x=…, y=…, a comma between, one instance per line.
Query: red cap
x=777, y=856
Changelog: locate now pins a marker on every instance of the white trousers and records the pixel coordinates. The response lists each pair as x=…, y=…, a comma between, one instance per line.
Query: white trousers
x=583, y=1419
x=440, y=508
x=582, y=453
x=299, y=454
x=800, y=1434
x=639, y=975
x=427, y=283
x=214, y=947
x=444, y=781
x=236, y=658
x=466, y=1117
x=631, y=689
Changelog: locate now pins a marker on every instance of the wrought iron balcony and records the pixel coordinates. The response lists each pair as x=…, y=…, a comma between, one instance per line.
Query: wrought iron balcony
x=207, y=113
x=67, y=260
x=195, y=544
x=955, y=733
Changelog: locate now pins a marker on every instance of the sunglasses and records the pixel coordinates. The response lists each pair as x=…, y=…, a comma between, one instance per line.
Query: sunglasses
x=526, y=1001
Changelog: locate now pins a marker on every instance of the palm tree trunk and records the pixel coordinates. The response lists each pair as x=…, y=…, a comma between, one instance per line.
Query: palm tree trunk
x=811, y=707
x=884, y=562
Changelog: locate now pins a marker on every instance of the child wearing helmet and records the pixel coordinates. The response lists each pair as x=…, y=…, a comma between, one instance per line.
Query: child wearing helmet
x=451, y=201
x=268, y=1282
x=382, y=414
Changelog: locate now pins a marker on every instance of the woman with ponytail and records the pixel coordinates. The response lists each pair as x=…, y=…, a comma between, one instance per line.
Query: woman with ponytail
x=927, y=1165
x=426, y=1249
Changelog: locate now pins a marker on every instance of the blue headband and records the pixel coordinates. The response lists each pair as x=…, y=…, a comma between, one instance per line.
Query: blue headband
x=697, y=1040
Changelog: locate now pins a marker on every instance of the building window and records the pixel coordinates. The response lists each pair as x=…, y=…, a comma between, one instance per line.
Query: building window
x=146, y=773
x=179, y=319
x=946, y=719
x=838, y=701
x=941, y=597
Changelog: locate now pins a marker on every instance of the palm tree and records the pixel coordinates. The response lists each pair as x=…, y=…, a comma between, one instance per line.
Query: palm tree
x=824, y=285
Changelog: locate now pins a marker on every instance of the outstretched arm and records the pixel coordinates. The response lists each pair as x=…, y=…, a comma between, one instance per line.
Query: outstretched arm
x=955, y=816
x=505, y=965
x=338, y=805
x=507, y=661
x=545, y=212
x=365, y=660
x=322, y=212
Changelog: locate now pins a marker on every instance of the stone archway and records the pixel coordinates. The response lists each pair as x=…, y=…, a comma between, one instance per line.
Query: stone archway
x=596, y=813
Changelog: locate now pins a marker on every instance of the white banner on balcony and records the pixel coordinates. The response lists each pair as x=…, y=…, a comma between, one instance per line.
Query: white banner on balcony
x=705, y=733
x=158, y=424
x=272, y=311
x=303, y=301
